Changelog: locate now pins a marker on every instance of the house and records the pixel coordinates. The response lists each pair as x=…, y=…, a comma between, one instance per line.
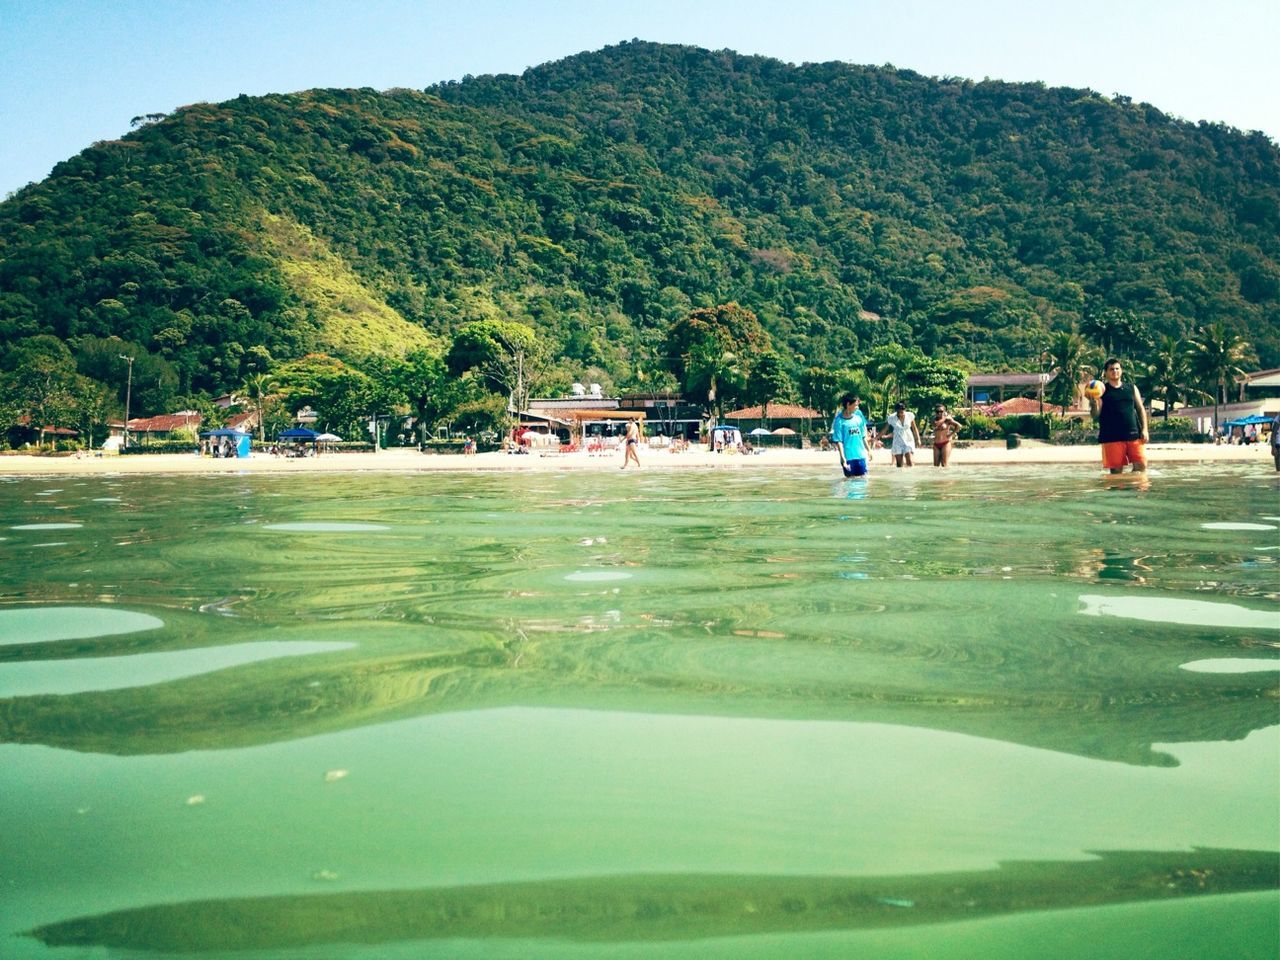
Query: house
x=1260, y=384
x=23, y=432
x=164, y=426
x=1203, y=417
x=666, y=413
x=247, y=421
x=575, y=422
x=992, y=387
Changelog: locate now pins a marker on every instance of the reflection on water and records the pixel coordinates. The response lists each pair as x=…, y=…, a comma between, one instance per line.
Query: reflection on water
x=117, y=673
x=896, y=678
x=665, y=908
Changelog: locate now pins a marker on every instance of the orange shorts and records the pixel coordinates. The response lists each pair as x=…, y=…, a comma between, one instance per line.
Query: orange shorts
x=1116, y=454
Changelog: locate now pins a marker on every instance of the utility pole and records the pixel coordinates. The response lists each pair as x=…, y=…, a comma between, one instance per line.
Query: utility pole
x=128, y=392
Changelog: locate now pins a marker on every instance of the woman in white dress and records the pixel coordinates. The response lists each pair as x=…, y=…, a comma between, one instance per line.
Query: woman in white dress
x=905, y=434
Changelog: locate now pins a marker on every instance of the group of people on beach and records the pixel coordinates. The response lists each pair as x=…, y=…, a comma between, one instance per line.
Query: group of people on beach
x=855, y=437
x=1116, y=406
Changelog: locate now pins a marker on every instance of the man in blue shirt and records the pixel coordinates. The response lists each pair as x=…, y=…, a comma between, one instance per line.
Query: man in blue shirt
x=849, y=433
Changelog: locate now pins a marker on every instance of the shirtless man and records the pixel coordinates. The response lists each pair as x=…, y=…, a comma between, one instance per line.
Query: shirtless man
x=945, y=428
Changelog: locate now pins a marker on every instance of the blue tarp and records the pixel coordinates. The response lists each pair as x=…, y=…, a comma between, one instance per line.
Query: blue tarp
x=224, y=432
x=298, y=433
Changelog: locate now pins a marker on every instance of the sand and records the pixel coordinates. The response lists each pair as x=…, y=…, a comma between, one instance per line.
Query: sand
x=410, y=461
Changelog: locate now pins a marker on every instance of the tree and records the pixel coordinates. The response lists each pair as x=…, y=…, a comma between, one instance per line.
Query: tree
x=1111, y=328
x=425, y=382
x=889, y=364
x=929, y=382
x=40, y=379
x=1071, y=358
x=819, y=388
x=504, y=354
x=768, y=380
x=1217, y=359
x=154, y=382
x=257, y=388
x=713, y=331
x=1169, y=371
x=92, y=403
x=715, y=372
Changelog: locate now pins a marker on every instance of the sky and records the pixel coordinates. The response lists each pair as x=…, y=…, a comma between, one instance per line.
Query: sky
x=76, y=71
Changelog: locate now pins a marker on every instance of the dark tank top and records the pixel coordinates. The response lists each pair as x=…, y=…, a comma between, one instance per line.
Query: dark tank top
x=1118, y=418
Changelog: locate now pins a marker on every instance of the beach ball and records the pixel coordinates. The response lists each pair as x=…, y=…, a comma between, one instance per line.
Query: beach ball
x=1093, y=389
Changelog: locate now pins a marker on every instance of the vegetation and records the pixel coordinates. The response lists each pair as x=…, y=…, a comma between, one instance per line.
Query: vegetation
x=871, y=221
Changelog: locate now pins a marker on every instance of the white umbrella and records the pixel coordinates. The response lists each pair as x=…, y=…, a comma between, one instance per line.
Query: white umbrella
x=759, y=432
x=328, y=437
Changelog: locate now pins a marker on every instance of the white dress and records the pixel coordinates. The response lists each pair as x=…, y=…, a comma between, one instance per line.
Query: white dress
x=904, y=440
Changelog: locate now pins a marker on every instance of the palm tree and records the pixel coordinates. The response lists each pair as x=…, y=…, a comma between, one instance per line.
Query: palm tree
x=1218, y=355
x=1071, y=358
x=887, y=367
x=714, y=369
x=257, y=388
x=1169, y=371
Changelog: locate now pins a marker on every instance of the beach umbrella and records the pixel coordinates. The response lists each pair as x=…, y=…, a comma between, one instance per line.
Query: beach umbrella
x=759, y=432
x=1246, y=421
x=784, y=432
x=328, y=438
x=298, y=433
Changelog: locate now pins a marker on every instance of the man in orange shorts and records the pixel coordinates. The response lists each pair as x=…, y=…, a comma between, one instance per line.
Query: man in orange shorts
x=1122, y=421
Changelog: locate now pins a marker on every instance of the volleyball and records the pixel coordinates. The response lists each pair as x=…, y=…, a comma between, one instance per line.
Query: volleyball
x=1093, y=389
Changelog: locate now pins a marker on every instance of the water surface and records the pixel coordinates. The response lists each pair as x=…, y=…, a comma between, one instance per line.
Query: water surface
x=737, y=713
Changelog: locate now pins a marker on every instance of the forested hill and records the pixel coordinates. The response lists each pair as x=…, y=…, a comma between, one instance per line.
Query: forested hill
x=603, y=196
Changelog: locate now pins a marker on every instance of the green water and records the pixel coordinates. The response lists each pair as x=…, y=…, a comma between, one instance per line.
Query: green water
x=992, y=713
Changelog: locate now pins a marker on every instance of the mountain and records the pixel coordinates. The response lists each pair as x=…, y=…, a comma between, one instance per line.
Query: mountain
x=600, y=197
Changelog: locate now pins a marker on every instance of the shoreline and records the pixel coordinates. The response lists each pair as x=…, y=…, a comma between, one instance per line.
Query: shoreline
x=400, y=460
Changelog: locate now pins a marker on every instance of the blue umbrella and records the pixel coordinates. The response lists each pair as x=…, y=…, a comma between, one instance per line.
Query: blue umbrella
x=1245, y=421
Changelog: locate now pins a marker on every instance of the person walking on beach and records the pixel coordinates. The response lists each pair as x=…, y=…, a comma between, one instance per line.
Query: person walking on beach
x=1275, y=441
x=849, y=434
x=632, y=444
x=945, y=429
x=1122, y=421
x=906, y=435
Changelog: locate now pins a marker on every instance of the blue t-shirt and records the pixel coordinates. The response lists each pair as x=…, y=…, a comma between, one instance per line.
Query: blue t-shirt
x=851, y=434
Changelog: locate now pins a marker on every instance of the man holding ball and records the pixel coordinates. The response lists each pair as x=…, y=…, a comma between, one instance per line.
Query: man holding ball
x=1122, y=419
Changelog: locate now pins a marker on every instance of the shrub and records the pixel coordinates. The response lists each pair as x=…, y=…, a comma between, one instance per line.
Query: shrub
x=1026, y=425
x=160, y=446
x=978, y=426
x=1173, y=430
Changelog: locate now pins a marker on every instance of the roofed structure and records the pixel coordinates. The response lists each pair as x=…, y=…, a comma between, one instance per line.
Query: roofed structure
x=992, y=387
x=166, y=423
x=777, y=411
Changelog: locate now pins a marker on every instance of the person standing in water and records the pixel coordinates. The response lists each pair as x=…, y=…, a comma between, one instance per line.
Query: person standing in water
x=945, y=429
x=632, y=444
x=1122, y=421
x=906, y=435
x=849, y=434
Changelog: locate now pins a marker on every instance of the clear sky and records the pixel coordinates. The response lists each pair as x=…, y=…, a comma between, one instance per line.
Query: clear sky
x=76, y=71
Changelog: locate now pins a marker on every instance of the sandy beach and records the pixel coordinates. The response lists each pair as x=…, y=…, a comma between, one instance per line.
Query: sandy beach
x=401, y=460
